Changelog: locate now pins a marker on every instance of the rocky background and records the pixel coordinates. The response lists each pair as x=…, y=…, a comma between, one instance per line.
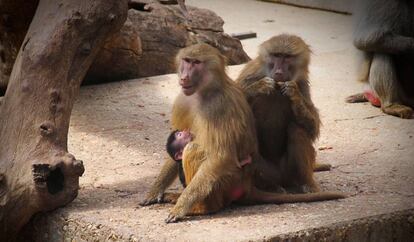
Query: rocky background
x=147, y=43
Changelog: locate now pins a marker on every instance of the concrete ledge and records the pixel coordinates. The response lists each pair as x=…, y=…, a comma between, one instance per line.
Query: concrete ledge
x=396, y=226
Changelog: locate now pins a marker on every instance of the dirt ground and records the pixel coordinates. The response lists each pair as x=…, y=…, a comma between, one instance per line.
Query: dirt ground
x=119, y=131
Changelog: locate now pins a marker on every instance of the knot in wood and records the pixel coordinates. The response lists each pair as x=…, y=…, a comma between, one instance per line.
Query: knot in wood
x=47, y=176
x=78, y=167
x=54, y=95
x=77, y=16
x=40, y=172
x=86, y=48
x=54, y=100
x=73, y=165
x=47, y=129
x=111, y=17
x=75, y=19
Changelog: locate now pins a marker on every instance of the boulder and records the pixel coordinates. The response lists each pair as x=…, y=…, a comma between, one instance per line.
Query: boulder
x=152, y=36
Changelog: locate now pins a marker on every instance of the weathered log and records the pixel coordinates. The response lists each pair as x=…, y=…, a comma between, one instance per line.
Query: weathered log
x=36, y=171
x=151, y=37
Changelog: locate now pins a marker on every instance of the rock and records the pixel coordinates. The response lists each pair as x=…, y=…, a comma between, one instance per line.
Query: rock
x=119, y=57
x=152, y=36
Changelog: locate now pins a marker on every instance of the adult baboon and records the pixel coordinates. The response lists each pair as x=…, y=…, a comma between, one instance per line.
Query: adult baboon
x=214, y=108
x=276, y=85
x=384, y=32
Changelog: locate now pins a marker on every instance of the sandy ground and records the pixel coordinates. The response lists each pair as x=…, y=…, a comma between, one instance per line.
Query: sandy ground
x=119, y=131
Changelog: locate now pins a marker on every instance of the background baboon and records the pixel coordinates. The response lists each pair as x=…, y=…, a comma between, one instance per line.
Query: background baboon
x=214, y=108
x=276, y=84
x=384, y=32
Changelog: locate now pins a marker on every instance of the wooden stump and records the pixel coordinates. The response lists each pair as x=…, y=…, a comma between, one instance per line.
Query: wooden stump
x=36, y=171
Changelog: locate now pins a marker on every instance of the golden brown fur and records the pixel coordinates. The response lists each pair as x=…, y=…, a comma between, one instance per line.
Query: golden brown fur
x=223, y=125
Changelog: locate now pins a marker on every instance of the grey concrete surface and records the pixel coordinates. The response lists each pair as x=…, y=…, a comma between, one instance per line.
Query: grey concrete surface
x=119, y=130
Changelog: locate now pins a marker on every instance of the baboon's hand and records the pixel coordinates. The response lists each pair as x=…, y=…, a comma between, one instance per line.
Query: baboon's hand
x=267, y=85
x=171, y=218
x=289, y=88
x=174, y=216
x=152, y=198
